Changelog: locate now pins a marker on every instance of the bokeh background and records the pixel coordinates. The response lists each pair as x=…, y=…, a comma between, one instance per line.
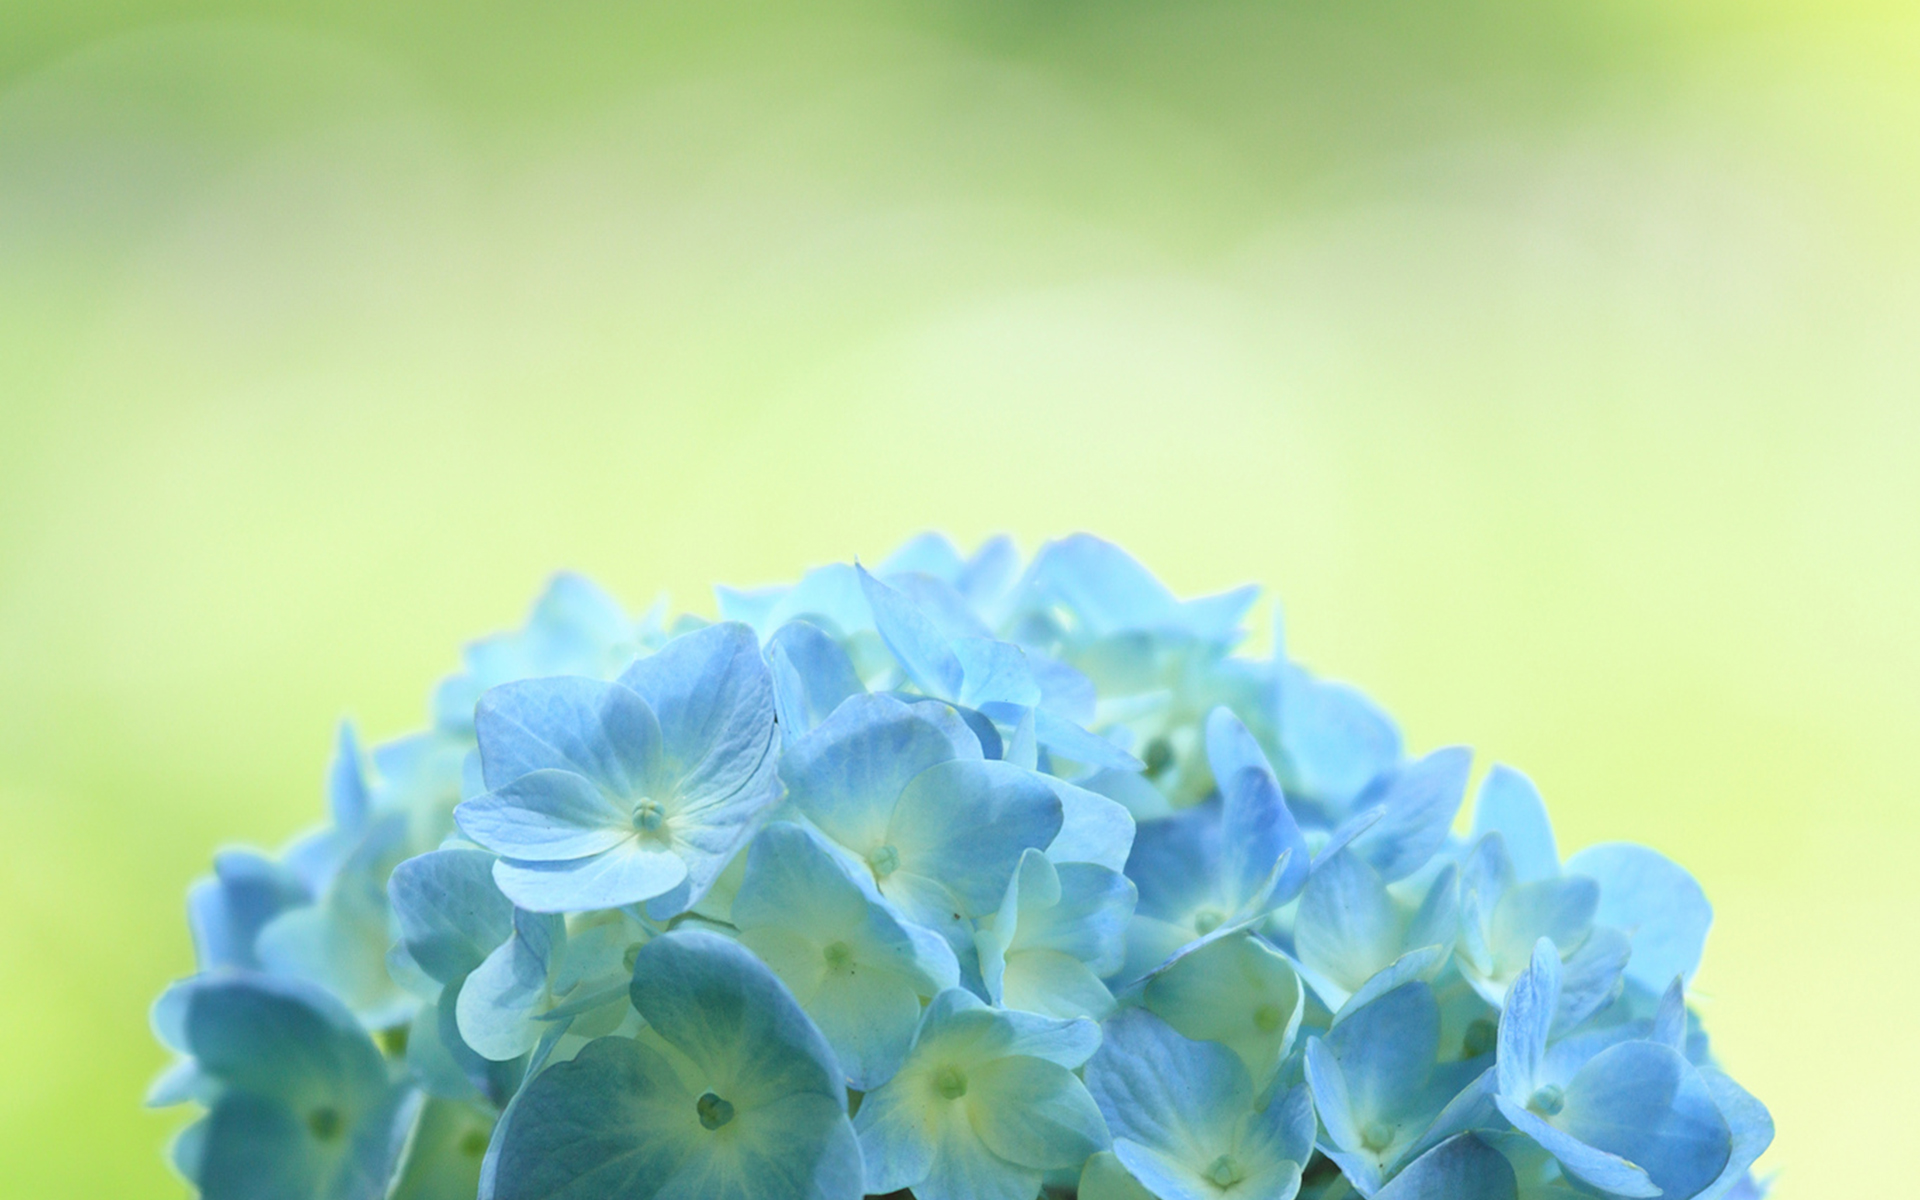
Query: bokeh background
x=1557, y=364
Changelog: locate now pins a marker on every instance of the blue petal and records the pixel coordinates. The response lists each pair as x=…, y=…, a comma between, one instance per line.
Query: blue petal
x=600, y=730
x=1656, y=903
x=1386, y=1050
x=278, y=1038
x=1334, y=739
x=450, y=914
x=1526, y=1021
x=716, y=1003
x=1510, y=805
x=713, y=696
x=227, y=912
x=1420, y=802
x=1590, y=978
x=847, y=775
x=627, y=874
x=928, y=553
x=1648, y=1105
x=499, y=1000
x=918, y=645
x=811, y=675
x=1093, y=829
x=1257, y=826
x=618, y=1121
x=546, y=816
x=965, y=824
x=346, y=784
x=1751, y=1126
x=1162, y=1090
x=994, y=672
x=1461, y=1168
x=1348, y=926
x=1064, y=739
x=1608, y=1172
x=1102, y=585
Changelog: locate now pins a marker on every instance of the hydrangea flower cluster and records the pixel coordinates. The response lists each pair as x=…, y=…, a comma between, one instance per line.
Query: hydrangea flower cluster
x=958, y=877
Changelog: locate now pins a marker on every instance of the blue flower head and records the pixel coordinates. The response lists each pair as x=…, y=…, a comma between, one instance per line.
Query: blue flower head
x=960, y=875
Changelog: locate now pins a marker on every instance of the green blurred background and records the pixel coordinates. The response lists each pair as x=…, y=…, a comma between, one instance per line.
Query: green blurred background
x=1558, y=364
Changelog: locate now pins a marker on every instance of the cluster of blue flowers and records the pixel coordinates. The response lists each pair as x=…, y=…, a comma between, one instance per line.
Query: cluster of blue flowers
x=961, y=877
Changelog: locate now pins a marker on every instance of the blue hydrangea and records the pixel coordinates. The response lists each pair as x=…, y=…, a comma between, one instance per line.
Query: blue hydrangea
x=956, y=875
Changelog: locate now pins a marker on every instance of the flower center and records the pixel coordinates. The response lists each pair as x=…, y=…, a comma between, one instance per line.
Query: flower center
x=1268, y=1018
x=1377, y=1135
x=884, y=861
x=1225, y=1171
x=839, y=955
x=1158, y=756
x=648, y=815
x=951, y=1082
x=474, y=1144
x=714, y=1112
x=1548, y=1101
x=325, y=1123
x=1207, y=920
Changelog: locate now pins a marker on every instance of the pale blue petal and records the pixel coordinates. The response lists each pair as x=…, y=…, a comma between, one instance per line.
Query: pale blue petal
x=227, y=912
x=1386, y=1049
x=1461, y=1168
x=499, y=1000
x=990, y=570
x=1163, y=1091
x=600, y=730
x=964, y=1169
x=1093, y=828
x=965, y=824
x=1648, y=1105
x=450, y=913
x=1509, y=804
x=1347, y=927
x=1560, y=908
x=1524, y=1023
x=1068, y=1042
x=1102, y=585
x=811, y=676
x=626, y=874
x=1420, y=802
x=1257, y=826
x=994, y=672
x=1333, y=1100
x=1590, y=978
x=347, y=792
x=1655, y=902
x=1607, y=1172
x=546, y=816
x=713, y=696
x=278, y=1038
x=929, y=554
x=918, y=645
x=719, y=1005
x=1034, y=1113
x=1751, y=1126
x=1064, y=739
x=1335, y=740
x=847, y=775
x=937, y=599
x=1422, y=965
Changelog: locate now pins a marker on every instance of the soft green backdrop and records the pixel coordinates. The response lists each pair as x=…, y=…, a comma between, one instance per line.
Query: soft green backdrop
x=1559, y=365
